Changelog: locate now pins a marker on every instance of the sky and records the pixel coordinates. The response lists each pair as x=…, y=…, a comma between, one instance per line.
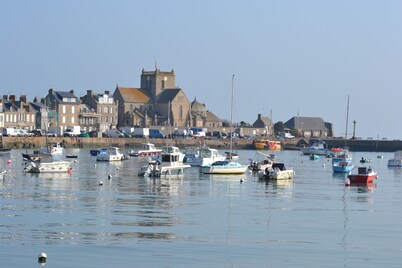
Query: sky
x=289, y=57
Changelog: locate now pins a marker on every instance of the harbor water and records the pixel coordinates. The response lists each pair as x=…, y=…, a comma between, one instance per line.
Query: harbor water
x=199, y=220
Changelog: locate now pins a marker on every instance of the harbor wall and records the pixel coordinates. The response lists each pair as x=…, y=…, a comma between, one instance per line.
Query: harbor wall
x=294, y=144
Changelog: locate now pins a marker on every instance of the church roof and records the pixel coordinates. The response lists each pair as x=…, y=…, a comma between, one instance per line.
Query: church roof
x=308, y=123
x=133, y=94
x=212, y=117
x=167, y=95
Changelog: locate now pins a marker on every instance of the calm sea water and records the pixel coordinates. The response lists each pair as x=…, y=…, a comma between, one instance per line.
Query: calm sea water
x=199, y=220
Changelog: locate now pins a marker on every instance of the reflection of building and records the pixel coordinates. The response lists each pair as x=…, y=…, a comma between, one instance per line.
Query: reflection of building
x=159, y=102
x=310, y=127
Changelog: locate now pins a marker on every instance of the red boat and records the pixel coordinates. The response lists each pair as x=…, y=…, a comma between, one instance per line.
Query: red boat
x=362, y=174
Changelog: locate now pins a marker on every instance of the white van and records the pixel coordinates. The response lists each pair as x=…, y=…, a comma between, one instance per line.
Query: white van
x=9, y=131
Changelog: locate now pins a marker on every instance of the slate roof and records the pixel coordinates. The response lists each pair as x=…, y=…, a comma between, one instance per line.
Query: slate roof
x=168, y=95
x=60, y=95
x=307, y=123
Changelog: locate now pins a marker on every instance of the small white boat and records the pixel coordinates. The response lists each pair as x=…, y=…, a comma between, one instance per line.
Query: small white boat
x=110, y=154
x=204, y=156
x=318, y=148
x=224, y=167
x=277, y=172
x=147, y=149
x=53, y=148
x=167, y=164
x=396, y=161
x=38, y=166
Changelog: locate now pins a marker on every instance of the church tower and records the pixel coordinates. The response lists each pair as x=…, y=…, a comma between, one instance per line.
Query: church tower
x=154, y=82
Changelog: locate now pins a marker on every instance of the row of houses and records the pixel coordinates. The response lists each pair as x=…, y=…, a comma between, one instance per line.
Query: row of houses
x=157, y=102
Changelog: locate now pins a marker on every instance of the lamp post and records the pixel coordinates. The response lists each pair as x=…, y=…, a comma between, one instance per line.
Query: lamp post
x=354, y=129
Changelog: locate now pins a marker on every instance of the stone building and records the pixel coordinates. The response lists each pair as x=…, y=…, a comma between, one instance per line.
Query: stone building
x=42, y=113
x=98, y=112
x=67, y=108
x=18, y=113
x=308, y=127
x=264, y=122
x=201, y=117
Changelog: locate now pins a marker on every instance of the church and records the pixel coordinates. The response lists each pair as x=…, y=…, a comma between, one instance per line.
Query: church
x=159, y=102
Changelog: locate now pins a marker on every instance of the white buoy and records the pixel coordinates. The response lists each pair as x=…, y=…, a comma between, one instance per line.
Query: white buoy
x=117, y=168
x=109, y=177
x=94, y=165
x=323, y=165
x=241, y=180
x=100, y=183
x=42, y=257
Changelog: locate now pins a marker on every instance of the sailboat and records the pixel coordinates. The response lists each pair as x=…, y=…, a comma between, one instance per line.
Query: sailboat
x=342, y=161
x=227, y=166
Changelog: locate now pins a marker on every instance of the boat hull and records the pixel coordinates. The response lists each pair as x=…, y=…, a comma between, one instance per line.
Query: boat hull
x=48, y=167
x=223, y=170
x=394, y=163
x=362, y=178
x=282, y=175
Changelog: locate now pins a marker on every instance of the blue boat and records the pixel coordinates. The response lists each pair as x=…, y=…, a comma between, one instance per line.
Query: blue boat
x=318, y=148
x=342, y=166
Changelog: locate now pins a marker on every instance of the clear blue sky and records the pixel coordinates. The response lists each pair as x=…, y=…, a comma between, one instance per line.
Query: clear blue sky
x=289, y=57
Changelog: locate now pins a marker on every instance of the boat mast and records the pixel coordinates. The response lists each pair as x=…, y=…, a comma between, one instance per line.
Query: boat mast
x=231, y=118
x=347, y=118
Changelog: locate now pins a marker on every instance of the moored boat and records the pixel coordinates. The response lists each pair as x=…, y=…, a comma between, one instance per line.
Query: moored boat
x=342, y=166
x=260, y=144
x=278, y=171
x=204, y=156
x=110, y=154
x=38, y=165
x=362, y=174
x=224, y=167
x=396, y=161
x=166, y=164
x=318, y=148
x=147, y=149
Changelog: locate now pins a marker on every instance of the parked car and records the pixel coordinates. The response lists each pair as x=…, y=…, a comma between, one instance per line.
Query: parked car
x=84, y=134
x=156, y=134
x=24, y=133
x=113, y=133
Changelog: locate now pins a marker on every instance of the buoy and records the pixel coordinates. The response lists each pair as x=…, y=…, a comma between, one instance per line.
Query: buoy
x=109, y=177
x=347, y=183
x=70, y=171
x=117, y=168
x=9, y=161
x=241, y=180
x=42, y=257
x=100, y=183
x=94, y=165
x=323, y=165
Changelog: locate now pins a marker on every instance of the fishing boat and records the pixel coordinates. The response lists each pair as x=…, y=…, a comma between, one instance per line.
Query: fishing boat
x=165, y=164
x=110, y=154
x=396, y=161
x=147, y=149
x=260, y=144
x=224, y=167
x=362, y=174
x=278, y=171
x=342, y=166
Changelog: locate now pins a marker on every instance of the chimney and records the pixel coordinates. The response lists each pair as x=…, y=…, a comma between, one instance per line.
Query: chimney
x=72, y=91
x=43, y=101
x=23, y=98
x=107, y=92
x=89, y=93
x=51, y=92
x=5, y=97
x=35, y=100
x=12, y=98
x=259, y=116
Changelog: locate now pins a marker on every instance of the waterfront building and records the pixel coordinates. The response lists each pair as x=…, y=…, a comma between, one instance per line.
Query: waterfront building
x=18, y=113
x=309, y=127
x=66, y=106
x=42, y=119
x=98, y=112
x=265, y=123
x=201, y=117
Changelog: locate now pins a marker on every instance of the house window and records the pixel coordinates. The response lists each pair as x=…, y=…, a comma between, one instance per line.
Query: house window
x=64, y=120
x=7, y=118
x=72, y=119
x=64, y=109
x=72, y=109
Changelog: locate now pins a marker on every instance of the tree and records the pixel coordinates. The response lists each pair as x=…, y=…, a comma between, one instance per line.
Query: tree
x=279, y=127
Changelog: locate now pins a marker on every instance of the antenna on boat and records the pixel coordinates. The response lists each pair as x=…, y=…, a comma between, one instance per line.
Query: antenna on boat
x=347, y=118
